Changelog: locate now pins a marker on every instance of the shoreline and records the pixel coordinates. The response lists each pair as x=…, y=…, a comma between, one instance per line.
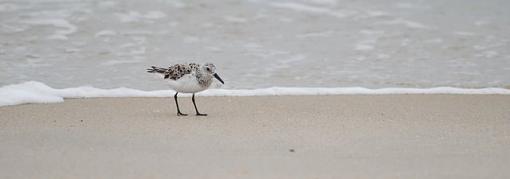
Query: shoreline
x=37, y=92
x=348, y=136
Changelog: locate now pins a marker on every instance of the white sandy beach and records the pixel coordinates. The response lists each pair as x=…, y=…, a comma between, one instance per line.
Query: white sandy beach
x=344, y=136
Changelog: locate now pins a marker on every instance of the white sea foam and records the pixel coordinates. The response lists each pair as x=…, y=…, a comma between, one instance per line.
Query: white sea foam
x=377, y=13
x=363, y=47
x=308, y=9
x=323, y=2
x=190, y=39
x=105, y=33
x=117, y=62
x=37, y=92
x=316, y=34
x=407, y=23
x=155, y=15
x=400, y=43
x=134, y=16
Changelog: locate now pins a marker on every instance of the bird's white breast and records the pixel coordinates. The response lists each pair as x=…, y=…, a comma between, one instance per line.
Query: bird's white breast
x=186, y=84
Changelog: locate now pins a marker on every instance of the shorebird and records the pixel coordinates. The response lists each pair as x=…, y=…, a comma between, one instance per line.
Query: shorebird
x=188, y=78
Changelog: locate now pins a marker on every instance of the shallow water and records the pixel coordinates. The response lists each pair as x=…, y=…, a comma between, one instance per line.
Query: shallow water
x=258, y=43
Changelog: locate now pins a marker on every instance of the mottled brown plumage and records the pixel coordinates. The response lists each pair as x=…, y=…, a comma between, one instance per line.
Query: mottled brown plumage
x=176, y=71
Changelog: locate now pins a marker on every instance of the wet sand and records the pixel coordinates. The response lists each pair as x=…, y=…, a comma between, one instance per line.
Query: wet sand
x=344, y=136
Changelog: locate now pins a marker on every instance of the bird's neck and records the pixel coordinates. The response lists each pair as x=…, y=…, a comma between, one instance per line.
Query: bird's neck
x=204, y=79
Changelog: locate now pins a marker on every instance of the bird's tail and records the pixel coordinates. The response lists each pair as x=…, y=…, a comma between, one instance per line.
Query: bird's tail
x=159, y=71
x=155, y=69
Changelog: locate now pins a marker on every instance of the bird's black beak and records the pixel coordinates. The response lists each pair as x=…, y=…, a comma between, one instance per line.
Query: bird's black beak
x=218, y=77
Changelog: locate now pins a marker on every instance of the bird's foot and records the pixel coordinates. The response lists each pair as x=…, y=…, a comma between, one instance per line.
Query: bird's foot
x=200, y=114
x=181, y=114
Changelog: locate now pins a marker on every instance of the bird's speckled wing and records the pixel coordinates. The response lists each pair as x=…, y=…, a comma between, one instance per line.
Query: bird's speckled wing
x=176, y=71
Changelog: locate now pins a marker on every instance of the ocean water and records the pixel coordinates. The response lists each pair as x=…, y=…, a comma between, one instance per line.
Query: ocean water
x=258, y=43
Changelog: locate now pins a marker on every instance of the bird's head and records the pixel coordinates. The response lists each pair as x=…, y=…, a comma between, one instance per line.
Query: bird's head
x=209, y=68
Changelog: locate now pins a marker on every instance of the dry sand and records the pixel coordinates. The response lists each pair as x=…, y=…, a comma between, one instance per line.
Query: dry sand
x=351, y=136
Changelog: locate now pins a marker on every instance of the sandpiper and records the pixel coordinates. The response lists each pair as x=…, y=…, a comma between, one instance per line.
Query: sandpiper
x=188, y=78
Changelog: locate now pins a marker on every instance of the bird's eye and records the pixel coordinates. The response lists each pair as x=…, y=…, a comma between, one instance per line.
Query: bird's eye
x=208, y=69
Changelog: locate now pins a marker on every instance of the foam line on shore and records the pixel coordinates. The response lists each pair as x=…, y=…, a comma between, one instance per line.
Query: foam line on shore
x=37, y=92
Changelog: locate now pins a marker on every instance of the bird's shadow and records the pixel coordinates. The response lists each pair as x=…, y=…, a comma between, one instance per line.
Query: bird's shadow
x=170, y=115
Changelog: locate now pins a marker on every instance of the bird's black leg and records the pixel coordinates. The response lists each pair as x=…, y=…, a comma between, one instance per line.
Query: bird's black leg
x=177, y=104
x=198, y=113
